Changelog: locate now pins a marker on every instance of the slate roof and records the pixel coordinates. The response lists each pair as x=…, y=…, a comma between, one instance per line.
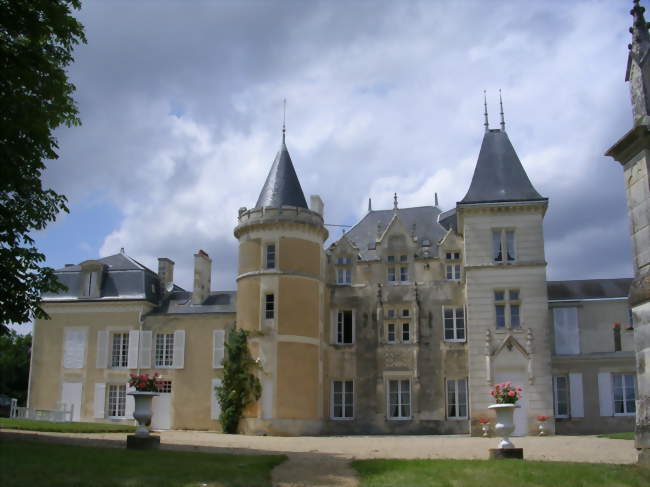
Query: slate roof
x=499, y=175
x=282, y=187
x=588, y=289
x=179, y=302
x=429, y=232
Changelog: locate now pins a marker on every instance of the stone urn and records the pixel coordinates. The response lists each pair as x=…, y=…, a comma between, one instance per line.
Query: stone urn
x=505, y=424
x=143, y=411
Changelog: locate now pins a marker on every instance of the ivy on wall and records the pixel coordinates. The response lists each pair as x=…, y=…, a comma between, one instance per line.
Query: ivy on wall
x=240, y=386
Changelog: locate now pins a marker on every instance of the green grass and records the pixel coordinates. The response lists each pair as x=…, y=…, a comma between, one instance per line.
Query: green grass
x=34, y=463
x=511, y=473
x=32, y=425
x=618, y=436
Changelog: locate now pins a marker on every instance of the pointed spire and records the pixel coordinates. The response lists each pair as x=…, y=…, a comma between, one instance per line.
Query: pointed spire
x=503, y=122
x=436, y=198
x=369, y=205
x=395, y=201
x=487, y=127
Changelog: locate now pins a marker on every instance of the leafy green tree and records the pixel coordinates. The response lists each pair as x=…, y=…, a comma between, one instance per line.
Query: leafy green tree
x=36, y=42
x=240, y=386
x=15, y=351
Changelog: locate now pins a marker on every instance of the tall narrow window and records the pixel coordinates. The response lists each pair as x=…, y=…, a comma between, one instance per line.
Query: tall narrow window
x=617, y=337
x=116, y=401
x=399, y=399
x=565, y=321
x=270, y=256
x=269, y=306
x=454, y=324
x=406, y=332
x=164, y=349
x=624, y=394
x=507, y=306
x=342, y=399
x=344, y=327
x=453, y=266
x=457, y=398
x=503, y=246
x=343, y=275
x=120, y=350
x=390, y=334
x=561, y=396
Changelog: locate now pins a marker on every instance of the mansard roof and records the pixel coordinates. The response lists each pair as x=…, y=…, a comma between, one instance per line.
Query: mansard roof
x=499, y=175
x=588, y=289
x=427, y=229
x=282, y=187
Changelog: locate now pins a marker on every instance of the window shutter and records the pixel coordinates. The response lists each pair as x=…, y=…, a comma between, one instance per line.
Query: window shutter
x=129, y=406
x=145, y=349
x=605, y=394
x=216, y=407
x=100, y=399
x=575, y=389
x=134, y=346
x=179, y=349
x=102, y=350
x=218, y=349
x=74, y=348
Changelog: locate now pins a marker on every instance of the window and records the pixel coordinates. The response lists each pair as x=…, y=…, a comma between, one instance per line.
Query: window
x=120, y=352
x=391, y=313
x=344, y=261
x=403, y=273
x=406, y=332
x=164, y=349
x=390, y=338
x=617, y=337
x=452, y=268
x=624, y=394
x=116, y=400
x=454, y=324
x=565, y=322
x=452, y=256
x=507, y=308
x=344, y=327
x=269, y=261
x=342, y=399
x=269, y=306
x=399, y=399
x=561, y=396
x=391, y=274
x=457, y=398
x=394, y=271
x=398, y=328
x=503, y=243
x=343, y=275
x=406, y=313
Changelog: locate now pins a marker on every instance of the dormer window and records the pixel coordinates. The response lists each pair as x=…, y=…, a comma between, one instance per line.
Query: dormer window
x=91, y=279
x=452, y=268
x=344, y=270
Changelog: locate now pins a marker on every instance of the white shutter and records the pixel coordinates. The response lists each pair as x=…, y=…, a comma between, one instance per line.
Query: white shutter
x=605, y=394
x=102, y=350
x=179, y=349
x=576, y=391
x=129, y=406
x=100, y=399
x=216, y=407
x=145, y=349
x=134, y=346
x=74, y=348
x=218, y=349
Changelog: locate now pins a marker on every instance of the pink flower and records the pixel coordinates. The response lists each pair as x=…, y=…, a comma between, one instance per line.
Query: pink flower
x=511, y=393
x=519, y=389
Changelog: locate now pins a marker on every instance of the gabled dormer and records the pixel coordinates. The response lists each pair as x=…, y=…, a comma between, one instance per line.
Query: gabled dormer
x=92, y=274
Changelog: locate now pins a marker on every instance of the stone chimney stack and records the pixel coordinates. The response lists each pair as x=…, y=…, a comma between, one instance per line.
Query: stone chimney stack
x=165, y=273
x=316, y=204
x=202, y=276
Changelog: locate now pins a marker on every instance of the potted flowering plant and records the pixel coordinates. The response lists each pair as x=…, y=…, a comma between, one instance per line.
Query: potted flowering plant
x=542, y=424
x=506, y=396
x=146, y=388
x=485, y=426
x=506, y=393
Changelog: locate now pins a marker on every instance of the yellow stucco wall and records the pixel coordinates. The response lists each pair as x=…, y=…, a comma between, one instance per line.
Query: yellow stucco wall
x=298, y=307
x=298, y=255
x=249, y=255
x=297, y=381
x=248, y=303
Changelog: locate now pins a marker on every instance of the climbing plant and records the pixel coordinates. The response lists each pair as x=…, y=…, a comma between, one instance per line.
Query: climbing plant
x=240, y=386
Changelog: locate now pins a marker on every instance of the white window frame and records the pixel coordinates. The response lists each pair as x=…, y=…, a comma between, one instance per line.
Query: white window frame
x=622, y=376
x=122, y=354
x=164, y=351
x=343, y=276
x=269, y=310
x=394, y=325
x=556, y=396
x=508, y=303
x=119, y=393
x=406, y=327
x=458, y=385
x=455, y=319
x=504, y=246
x=270, y=256
x=344, y=398
x=339, y=331
x=400, y=381
x=453, y=272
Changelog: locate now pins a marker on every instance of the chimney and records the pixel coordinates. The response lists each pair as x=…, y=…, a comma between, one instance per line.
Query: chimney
x=316, y=204
x=165, y=273
x=202, y=272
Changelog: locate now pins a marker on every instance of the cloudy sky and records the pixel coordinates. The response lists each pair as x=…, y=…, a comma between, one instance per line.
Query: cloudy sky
x=181, y=104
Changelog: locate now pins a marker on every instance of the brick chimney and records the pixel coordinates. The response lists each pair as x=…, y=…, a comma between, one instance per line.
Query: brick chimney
x=202, y=275
x=165, y=273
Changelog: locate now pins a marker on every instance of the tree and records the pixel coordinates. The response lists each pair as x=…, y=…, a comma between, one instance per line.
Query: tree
x=240, y=386
x=15, y=351
x=36, y=42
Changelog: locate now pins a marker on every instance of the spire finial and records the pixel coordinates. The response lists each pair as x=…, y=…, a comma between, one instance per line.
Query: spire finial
x=395, y=201
x=369, y=205
x=284, y=117
x=485, y=113
x=503, y=122
x=436, y=198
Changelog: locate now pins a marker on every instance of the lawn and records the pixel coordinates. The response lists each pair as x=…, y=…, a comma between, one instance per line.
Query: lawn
x=618, y=436
x=511, y=473
x=33, y=463
x=32, y=425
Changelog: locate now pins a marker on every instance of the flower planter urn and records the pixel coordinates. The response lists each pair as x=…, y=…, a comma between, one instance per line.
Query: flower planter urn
x=485, y=428
x=505, y=423
x=542, y=428
x=143, y=411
